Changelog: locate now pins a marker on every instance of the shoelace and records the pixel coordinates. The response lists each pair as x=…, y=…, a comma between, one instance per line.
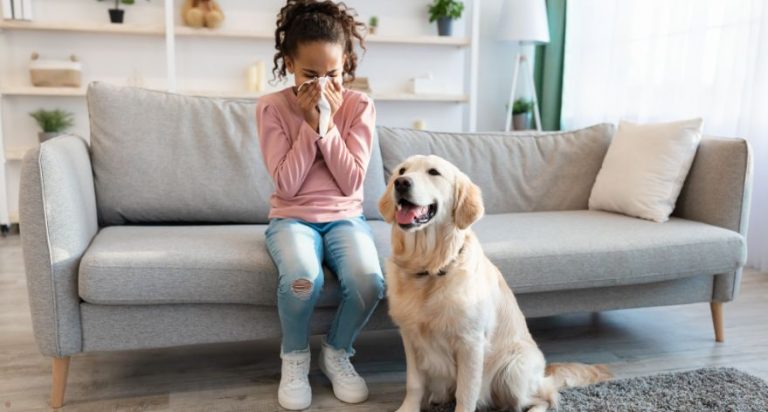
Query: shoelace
x=344, y=366
x=295, y=371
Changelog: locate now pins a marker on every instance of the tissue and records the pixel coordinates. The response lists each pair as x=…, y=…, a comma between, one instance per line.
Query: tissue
x=322, y=105
x=325, y=108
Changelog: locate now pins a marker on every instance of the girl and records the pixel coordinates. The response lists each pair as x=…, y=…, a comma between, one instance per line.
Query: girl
x=316, y=209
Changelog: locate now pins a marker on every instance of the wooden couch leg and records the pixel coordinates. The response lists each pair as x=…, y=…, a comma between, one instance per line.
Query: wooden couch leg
x=60, y=370
x=717, y=320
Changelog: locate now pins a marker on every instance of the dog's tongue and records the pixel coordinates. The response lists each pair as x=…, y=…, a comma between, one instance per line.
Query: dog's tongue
x=408, y=213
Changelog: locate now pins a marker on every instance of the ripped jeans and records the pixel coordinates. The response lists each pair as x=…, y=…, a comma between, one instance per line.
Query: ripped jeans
x=299, y=249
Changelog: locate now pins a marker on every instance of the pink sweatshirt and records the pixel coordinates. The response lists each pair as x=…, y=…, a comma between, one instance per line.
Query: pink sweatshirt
x=316, y=179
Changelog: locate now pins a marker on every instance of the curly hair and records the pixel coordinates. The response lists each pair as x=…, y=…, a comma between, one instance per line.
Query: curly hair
x=301, y=21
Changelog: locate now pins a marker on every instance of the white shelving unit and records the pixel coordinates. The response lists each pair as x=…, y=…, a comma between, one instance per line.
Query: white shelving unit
x=42, y=91
x=192, y=32
x=80, y=92
x=175, y=38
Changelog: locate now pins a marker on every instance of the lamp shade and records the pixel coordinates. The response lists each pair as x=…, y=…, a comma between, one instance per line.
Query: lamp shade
x=524, y=21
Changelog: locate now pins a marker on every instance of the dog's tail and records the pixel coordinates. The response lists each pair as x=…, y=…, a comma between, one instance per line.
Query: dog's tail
x=565, y=375
x=568, y=375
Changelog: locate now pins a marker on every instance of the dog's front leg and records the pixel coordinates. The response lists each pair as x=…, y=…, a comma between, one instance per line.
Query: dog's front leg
x=469, y=371
x=414, y=380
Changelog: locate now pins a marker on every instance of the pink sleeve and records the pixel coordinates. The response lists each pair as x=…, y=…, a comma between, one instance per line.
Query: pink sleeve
x=287, y=161
x=347, y=156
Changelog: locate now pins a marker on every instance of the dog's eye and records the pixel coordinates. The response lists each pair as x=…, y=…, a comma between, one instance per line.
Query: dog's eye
x=402, y=170
x=433, y=172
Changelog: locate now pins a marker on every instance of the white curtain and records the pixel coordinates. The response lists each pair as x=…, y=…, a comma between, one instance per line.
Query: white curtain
x=661, y=60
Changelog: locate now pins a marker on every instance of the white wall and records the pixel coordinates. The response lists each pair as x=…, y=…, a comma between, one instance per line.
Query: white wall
x=496, y=64
x=115, y=58
x=495, y=69
x=219, y=63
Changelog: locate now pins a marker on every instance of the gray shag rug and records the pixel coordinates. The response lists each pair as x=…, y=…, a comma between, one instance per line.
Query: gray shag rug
x=708, y=389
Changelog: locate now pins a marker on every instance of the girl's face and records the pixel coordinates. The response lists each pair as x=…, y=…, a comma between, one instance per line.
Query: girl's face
x=316, y=59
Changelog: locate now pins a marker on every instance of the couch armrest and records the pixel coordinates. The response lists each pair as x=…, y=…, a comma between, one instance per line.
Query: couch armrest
x=58, y=220
x=718, y=192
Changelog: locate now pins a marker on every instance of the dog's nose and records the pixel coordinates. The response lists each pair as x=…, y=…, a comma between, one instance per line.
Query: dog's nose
x=403, y=184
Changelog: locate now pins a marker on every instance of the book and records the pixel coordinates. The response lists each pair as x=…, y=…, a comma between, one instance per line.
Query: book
x=17, y=9
x=26, y=9
x=7, y=9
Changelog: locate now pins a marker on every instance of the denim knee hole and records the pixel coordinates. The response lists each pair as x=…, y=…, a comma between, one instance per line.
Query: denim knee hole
x=302, y=288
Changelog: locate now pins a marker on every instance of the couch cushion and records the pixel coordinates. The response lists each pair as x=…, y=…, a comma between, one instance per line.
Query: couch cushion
x=518, y=172
x=541, y=251
x=645, y=168
x=163, y=157
x=545, y=251
x=189, y=264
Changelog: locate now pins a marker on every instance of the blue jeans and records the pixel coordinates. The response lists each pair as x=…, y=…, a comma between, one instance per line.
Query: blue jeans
x=299, y=249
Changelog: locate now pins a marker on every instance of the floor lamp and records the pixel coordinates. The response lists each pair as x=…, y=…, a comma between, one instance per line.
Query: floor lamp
x=523, y=22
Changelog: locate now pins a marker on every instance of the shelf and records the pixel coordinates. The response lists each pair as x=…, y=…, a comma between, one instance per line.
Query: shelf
x=16, y=153
x=43, y=91
x=423, y=40
x=183, y=31
x=373, y=38
x=224, y=94
x=458, y=98
x=410, y=97
x=80, y=92
x=77, y=92
x=82, y=27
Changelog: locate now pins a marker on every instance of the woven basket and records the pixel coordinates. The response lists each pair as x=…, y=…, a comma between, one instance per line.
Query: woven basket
x=55, y=73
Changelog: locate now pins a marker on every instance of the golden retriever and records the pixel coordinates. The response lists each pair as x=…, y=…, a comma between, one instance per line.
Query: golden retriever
x=464, y=335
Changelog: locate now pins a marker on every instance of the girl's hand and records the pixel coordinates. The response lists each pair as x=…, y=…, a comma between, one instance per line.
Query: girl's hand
x=308, y=96
x=334, y=92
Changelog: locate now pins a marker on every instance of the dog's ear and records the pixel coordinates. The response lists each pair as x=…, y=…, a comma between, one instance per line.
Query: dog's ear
x=467, y=202
x=387, y=203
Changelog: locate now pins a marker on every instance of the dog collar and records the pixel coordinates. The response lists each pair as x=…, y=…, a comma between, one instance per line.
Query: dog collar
x=444, y=270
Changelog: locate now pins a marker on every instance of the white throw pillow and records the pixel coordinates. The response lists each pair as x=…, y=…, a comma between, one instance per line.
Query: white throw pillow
x=645, y=168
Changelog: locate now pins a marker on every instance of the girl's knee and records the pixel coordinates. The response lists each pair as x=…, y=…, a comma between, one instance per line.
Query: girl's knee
x=370, y=288
x=302, y=288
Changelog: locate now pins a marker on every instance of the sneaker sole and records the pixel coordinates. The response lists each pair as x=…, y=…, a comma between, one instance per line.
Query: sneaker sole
x=292, y=405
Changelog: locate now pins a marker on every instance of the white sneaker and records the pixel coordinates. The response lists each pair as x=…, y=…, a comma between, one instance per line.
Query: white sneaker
x=294, y=392
x=348, y=386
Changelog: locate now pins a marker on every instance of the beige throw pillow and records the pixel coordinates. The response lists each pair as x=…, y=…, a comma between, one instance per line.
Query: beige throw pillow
x=645, y=167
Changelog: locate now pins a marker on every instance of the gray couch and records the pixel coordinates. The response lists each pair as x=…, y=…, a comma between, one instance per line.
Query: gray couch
x=153, y=235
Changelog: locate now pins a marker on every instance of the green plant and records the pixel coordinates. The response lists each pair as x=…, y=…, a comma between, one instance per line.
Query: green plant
x=451, y=9
x=117, y=2
x=522, y=106
x=373, y=21
x=53, y=121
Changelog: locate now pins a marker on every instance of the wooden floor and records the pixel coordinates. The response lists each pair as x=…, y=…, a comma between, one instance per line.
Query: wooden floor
x=244, y=376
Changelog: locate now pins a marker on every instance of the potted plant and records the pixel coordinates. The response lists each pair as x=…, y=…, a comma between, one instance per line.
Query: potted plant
x=116, y=15
x=521, y=114
x=52, y=122
x=373, y=24
x=445, y=12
